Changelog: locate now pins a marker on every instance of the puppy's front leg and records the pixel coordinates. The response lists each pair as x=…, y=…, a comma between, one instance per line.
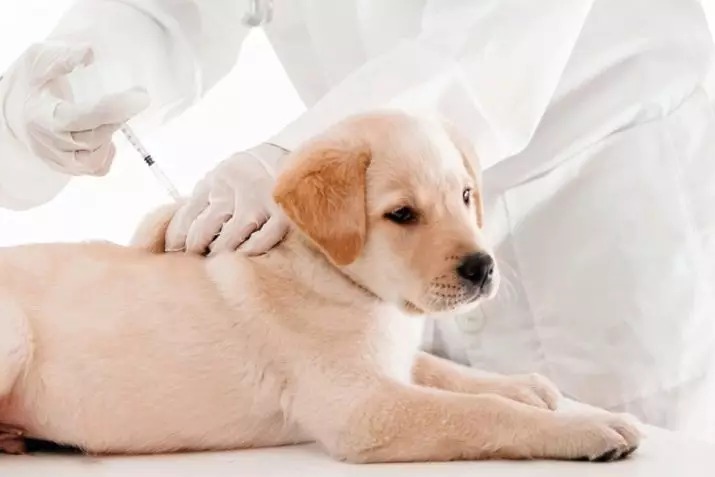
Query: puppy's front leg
x=392, y=422
x=532, y=389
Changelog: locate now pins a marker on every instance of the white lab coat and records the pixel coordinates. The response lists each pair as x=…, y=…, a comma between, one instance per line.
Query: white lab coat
x=595, y=136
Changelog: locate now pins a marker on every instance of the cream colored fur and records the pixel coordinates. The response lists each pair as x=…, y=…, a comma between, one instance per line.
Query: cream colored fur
x=121, y=350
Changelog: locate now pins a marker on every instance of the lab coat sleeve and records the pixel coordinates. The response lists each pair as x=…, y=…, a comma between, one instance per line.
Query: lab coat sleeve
x=25, y=181
x=491, y=71
x=175, y=49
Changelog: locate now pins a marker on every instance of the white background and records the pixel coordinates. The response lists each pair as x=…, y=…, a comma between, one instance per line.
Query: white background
x=253, y=102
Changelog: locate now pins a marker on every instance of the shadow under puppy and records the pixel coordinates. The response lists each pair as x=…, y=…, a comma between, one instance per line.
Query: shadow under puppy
x=119, y=350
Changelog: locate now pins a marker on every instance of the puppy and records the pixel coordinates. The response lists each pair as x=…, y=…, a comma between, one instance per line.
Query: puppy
x=120, y=350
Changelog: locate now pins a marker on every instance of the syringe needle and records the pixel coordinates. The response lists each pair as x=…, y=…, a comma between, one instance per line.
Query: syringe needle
x=156, y=170
x=161, y=177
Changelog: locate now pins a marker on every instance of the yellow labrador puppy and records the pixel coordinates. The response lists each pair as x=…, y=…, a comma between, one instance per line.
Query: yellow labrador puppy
x=120, y=350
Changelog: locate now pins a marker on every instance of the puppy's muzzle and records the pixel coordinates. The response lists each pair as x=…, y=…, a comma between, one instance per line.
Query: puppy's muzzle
x=477, y=271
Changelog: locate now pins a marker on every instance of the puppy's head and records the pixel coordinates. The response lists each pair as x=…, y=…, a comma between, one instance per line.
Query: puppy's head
x=395, y=202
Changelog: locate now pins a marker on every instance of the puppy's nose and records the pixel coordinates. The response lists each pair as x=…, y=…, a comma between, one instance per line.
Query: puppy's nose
x=477, y=269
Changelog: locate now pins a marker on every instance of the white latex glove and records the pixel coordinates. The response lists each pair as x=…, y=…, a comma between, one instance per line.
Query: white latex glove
x=232, y=207
x=73, y=138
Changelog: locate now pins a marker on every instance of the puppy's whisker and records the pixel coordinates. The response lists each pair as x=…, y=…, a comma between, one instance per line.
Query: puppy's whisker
x=510, y=290
x=504, y=266
x=507, y=290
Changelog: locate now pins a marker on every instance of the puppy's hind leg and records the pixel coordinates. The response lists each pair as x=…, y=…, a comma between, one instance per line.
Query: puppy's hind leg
x=11, y=440
x=15, y=350
x=15, y=344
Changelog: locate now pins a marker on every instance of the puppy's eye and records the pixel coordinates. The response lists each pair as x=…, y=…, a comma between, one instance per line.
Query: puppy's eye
x=467, y=196
x=403, y=215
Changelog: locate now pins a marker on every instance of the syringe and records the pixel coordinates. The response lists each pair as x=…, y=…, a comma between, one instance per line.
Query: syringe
x=155, y=169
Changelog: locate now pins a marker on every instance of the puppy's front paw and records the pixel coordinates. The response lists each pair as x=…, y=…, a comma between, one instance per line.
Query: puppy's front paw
x=602, y=437
x=532, y=389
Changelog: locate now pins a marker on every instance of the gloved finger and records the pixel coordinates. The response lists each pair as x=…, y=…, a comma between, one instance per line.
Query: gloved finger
x=49, y=146
x=236, y=231
x=178, y=230
x=94, y=163
x=75, y=141
x=61, y=150
x=52, y=60
x=270, y=235
x=113, y=109
x=92, y=138
x=206, y=226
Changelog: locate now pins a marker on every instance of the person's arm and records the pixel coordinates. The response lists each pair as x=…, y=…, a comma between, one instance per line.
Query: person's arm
x=491, y=70
x=25, y=181
x=56, y=121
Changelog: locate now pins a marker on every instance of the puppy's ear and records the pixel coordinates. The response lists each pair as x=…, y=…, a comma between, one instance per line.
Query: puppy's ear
x=322, y=191
x=471, y=163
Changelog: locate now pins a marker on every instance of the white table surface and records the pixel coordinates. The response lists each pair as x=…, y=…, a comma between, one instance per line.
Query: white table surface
x=662, y=454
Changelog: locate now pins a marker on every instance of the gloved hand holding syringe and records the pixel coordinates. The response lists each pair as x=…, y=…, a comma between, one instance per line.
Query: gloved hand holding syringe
x=89, y=83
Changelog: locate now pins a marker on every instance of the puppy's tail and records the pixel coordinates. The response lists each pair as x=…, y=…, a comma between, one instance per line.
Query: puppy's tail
x=151, y=232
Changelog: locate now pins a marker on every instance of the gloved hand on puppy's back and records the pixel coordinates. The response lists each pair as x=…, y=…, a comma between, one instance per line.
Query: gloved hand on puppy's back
x=231, y=208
